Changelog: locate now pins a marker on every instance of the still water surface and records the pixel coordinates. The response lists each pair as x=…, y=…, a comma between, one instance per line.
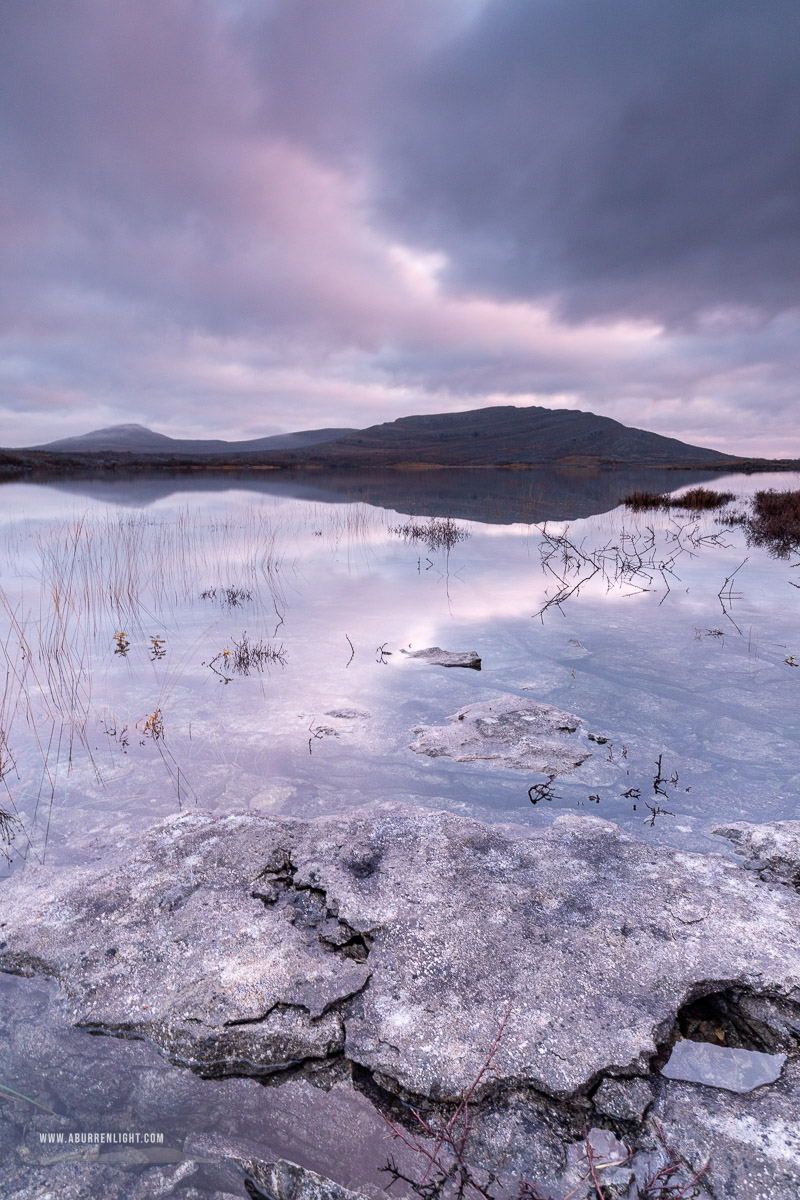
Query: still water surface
x=127, y=615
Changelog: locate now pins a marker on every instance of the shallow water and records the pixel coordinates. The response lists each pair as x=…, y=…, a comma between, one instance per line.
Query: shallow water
x=727, y=1067
x=121, y=707
x=121, y=704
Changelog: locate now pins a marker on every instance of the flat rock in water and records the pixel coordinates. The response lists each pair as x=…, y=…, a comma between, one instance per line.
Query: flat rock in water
x=446, y=658
x=349, y=714
x=510, y=732
x=400, y=938
x=726, y=1067
x=774, y=847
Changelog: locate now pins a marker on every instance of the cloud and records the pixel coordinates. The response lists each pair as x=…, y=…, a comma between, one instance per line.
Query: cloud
x=618, y=157
x=227, y=217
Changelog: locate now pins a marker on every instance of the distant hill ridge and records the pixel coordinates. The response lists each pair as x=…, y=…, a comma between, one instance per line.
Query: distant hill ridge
x=138, y=439
x=499, y=436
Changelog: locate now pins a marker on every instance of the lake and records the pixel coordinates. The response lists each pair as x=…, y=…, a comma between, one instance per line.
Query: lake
x=239, y=643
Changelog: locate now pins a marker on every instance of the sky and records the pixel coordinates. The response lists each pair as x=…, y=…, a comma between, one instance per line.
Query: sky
x=231, y=218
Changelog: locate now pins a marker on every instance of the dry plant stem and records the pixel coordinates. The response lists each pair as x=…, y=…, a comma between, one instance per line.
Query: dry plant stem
x=590, y=1159
x=658, y=1185
x=634, y=561
x=28, y=1099
x=446, y=1158
x=449, y=1139
x=8, y=830
x=726, y=595
x=542, y=791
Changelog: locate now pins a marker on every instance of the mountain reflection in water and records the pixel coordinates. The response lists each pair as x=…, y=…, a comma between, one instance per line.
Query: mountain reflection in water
x=500, y=497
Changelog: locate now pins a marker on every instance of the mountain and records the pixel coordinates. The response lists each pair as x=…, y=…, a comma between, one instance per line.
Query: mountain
x=504, y=436
x=511, y=436
x=138, y=439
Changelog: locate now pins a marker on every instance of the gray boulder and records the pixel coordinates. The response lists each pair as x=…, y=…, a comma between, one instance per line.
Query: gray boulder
x=510, y=732
x=402, y=938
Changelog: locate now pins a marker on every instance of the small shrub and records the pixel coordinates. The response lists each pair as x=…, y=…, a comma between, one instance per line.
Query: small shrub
x=152, y=726
x=121, y=643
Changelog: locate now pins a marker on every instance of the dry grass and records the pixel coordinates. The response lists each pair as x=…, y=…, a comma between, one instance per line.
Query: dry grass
x=701, y=499
x=250, y=656
x=437, y=533
x=646, y=501
x=697, y=499
x=228, y=597
x=84, y=590
x=775, y=522
x=245, y=657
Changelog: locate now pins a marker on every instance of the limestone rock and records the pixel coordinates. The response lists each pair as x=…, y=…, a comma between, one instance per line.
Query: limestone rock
x=729, y=1067
x=773, y=848
x=349, y=714
x=197, y=939
x=82, y=1180
x=446, y=658
x=284, y=1180
x=751, y=1142
x=623, y=1099
x=402, y=937
x=510, y=732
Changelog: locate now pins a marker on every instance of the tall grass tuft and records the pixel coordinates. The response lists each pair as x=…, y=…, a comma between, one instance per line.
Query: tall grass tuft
x=701, y=499
x=775, y=522
x=697, y=499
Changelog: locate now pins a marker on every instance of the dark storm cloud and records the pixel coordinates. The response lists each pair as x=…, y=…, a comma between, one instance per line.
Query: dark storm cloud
x=625, y=155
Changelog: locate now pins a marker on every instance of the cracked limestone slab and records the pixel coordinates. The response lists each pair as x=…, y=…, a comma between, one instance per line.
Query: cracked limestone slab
x=402, y=937
x=167, y=938
x=509, y=731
